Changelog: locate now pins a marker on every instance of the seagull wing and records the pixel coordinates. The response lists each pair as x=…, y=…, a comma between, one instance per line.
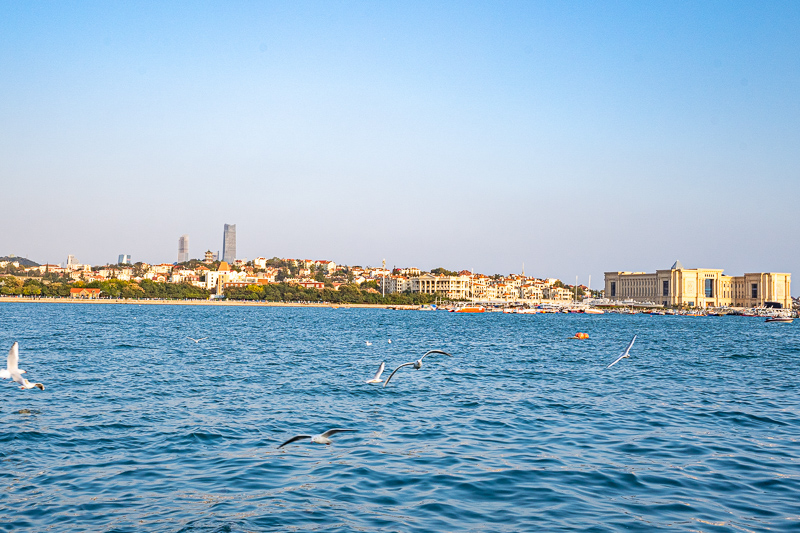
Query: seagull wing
x=381, y=368
x=335, y=431
x=628, y=349
x=13, y=358
x=201, y=339
x=395, y=370
x=434, y=351
x=624, y=354
x=295, y=438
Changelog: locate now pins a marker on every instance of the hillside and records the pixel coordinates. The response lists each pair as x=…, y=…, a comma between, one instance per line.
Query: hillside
x=22, y=260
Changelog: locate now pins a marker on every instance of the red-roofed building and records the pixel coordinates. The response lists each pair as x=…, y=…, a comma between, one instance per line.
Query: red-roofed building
x=84, y=293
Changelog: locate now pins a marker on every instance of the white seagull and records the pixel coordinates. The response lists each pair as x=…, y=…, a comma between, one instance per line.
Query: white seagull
x=417, y=364
x=369, y=343
x=624, y=354
x=319, y=439
x=390, y=341
x=197, y=340
x=377, y=377
x=13, y=371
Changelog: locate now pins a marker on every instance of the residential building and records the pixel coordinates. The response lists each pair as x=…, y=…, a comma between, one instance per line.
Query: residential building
x=84, y=293
x=700, y=287
x=455, y=287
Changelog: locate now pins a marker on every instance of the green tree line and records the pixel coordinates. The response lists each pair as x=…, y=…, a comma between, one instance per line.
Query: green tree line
x=113, y=288
x=285, y=292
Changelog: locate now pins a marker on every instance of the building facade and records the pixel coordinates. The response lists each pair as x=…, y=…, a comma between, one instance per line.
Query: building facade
x=229, y=243
x=700, y=287
x=183, y=249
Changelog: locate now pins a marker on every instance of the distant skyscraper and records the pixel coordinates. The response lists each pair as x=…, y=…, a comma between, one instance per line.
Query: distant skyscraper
x=124, y=259
x=229, y=243
x=71, y=260
x=183, y=249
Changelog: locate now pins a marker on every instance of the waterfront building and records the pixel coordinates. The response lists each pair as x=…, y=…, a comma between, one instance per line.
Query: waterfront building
x=84, y=293
x=183, y=249
x=229, y=243
x=700, y=287
x=455, y=287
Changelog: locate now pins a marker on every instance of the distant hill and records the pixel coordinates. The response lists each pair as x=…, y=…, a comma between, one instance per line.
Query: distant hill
x=21, y=260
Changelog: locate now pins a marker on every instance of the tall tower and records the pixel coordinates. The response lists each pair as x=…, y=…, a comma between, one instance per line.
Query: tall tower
x=229, y=243
x=183, y=249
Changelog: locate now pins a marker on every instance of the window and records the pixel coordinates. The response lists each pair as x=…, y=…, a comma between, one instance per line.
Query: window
x=754, y=290
x=665, y=287
x=709, y=288
x=613, y=288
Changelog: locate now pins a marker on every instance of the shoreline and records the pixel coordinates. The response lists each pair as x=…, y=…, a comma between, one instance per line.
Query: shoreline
x=123, y=301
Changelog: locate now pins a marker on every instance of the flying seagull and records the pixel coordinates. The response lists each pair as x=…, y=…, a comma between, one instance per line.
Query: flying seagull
x=377, y=377
x=319, y=439
x=197, y=340
x=417, y=364
x=625, y=354
x=13, y=371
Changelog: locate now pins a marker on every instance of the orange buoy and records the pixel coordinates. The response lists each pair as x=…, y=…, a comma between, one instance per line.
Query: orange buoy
x=580, y=335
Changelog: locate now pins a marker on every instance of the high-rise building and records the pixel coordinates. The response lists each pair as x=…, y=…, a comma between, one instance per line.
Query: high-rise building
x=183, y=249
x=71, y=260
x=229, y=243
x=124, y=259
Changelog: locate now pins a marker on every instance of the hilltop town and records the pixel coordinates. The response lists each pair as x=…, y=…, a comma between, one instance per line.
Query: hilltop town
x=276, y=279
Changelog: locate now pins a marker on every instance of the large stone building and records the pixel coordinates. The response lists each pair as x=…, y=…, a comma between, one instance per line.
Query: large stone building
x=700, y=287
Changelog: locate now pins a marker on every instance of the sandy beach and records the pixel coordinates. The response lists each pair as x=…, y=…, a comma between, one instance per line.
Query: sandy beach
x=121, y=301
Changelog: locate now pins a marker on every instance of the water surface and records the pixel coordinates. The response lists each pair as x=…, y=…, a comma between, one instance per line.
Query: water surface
x=142, y=429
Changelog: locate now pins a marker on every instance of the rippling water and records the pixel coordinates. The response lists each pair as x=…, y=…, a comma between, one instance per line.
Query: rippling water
x=142, y=429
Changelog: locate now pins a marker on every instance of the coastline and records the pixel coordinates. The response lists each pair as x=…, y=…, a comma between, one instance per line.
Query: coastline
x=122, y=301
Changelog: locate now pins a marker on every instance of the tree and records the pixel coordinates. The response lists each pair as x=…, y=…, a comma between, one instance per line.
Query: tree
x=443, y=272
x=11, y=286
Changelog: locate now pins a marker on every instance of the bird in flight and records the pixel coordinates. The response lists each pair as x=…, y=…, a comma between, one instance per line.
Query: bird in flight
x=13, y=371
x=625, y=354
x=197, y=340
x=377, y=377
x=318, y=439
x=417, y=364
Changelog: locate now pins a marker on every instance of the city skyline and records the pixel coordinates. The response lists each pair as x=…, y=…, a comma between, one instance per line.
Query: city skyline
x=574, y=138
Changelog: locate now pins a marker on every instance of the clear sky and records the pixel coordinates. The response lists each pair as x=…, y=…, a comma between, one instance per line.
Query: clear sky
x=573, y=137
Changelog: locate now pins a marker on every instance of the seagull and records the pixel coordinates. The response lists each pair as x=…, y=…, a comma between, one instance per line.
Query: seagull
x=417, y=364
x=197, y=340
x=377, y=377
x=319, y=439
x=12, y=371
x=624, y=354
x=369, y=343
x=390, y=341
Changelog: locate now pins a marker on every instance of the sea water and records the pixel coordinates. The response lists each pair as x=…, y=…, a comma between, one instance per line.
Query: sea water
x=142, y=429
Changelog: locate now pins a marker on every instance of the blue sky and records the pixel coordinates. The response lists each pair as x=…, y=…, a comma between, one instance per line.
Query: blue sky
x=573, y=137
